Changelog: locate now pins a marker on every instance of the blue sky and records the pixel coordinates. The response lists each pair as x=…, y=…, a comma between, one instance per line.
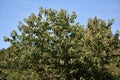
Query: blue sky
x=13, y=11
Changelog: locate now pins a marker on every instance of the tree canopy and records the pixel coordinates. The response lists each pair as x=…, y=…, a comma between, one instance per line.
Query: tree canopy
x=53, y=46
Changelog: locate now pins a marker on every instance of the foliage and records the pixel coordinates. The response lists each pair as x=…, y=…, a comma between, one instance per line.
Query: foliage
x=53, y=46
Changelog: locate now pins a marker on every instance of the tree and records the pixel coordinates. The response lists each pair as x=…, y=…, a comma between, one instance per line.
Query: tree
x=53, y=46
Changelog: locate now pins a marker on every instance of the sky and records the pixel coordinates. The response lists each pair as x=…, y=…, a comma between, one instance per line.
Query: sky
x=13, y=11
